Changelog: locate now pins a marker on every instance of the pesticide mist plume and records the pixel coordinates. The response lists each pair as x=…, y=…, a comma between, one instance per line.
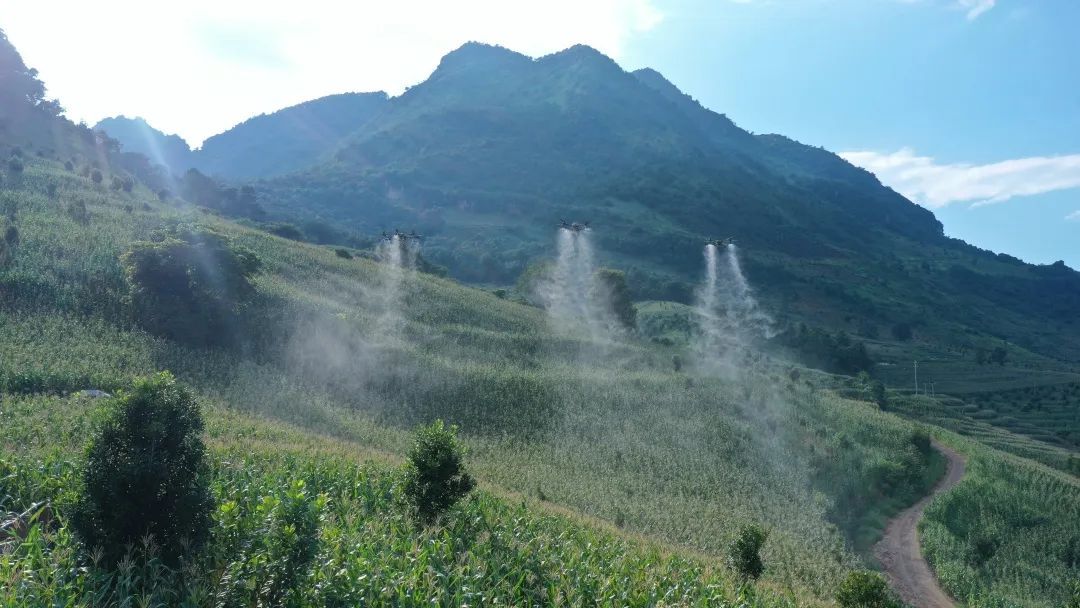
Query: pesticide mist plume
x=574, y=297
x=398, y=255
x=729, y=318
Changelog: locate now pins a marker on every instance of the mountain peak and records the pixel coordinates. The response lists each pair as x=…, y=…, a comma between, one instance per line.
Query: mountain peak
x=480, y=54
x=581, y=54
x=655, y=80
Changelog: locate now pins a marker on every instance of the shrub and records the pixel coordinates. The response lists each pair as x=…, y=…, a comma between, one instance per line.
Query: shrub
x=435, y=476
x=189, y=285
x=744, y=554
x=69, y=165
x=11, y=237
x=77, y=211
x=613, y=288
x=902, y=332
x=287, y=231
x=343, y=253
x=15, y=165
x=146, y=474
x=862, y=589
x=878, y=394
x=96, y=176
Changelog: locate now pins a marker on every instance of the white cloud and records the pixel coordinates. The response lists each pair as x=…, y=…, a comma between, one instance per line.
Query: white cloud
x=209, y=64
x=974, y=8
x=935, y=185
x=1074, y=216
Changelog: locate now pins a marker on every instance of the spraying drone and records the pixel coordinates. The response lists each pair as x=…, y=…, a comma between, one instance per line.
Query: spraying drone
x=574, y=226
x=403, y=236
x=721, y=243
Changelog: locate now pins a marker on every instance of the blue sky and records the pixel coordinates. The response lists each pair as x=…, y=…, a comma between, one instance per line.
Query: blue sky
x=969, y=107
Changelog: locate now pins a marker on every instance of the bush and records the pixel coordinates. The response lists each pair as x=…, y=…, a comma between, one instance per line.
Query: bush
x=862, y=589
x=77, y=211
x=287, y=231
x=96, y=176
x=614, y=290
x=744, y=554
x=903, y=332
x=343, y=253
x=189, y=285
x=878, y=394
x=15, y=165
x=146, y=474
x=435, y=476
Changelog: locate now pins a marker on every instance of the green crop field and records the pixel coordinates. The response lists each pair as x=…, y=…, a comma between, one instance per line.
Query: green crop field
x=608, y=476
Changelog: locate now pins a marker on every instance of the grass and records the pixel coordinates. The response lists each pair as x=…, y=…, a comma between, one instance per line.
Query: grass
x=610, y=448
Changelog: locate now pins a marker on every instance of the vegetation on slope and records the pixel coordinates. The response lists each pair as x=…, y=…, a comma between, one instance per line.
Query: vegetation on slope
x=1007, y=534
x=352, y=356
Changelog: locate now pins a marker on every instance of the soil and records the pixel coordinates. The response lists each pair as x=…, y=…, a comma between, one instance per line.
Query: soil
x=898, y=551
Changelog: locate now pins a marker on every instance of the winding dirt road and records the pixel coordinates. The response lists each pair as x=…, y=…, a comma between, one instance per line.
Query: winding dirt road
x=908, y=573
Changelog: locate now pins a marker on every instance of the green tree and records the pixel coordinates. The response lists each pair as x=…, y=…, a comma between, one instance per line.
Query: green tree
x=902, y=331
x=998, y=355
x=878, y=394
x=146, y=473
x=613, y=287
x=189, y=285
x=744, y=553
x=435, y=477
x=863, y=589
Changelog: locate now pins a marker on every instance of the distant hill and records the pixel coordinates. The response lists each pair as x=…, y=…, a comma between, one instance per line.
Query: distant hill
x=269, y=144
x=135, y=135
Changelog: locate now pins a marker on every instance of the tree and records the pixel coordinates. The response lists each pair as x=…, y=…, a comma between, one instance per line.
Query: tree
x=878, y=393
x=744, y=553
x=862, y=589
x=998, y=355
x=902, y=331
x=96, y=177
x=189, y=285
x=435, y=477
x=146, y=474
x=613, y=289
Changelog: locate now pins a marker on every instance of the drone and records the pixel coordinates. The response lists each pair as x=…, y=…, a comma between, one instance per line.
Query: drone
x=574, y=226
x=721, y=243
x=403, y=236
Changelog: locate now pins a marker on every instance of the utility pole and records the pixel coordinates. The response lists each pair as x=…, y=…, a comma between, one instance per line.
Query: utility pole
x=916, y=377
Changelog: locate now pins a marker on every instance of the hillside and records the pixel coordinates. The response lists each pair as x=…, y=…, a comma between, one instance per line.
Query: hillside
x=489, y=152
x=613, y=469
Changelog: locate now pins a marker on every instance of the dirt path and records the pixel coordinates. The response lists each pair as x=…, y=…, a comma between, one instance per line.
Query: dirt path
x=899, y=553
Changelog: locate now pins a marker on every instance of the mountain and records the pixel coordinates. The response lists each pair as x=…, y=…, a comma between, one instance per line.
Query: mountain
x=135, y=135
x=494, y=147
x=266, y=145
x=289, y=139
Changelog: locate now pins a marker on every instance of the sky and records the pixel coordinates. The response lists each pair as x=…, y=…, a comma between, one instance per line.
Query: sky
x=970, y=108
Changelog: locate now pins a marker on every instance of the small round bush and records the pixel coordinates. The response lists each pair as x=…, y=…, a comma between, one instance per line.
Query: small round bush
x=863, y=589
x=435, y=476
x=744, y=554
x=146, y=474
